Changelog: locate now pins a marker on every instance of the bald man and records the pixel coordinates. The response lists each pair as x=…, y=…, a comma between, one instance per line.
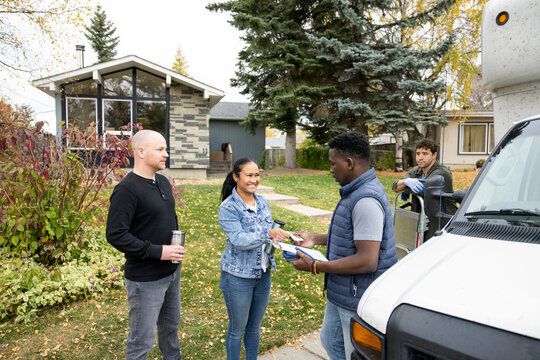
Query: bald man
x=141, y=217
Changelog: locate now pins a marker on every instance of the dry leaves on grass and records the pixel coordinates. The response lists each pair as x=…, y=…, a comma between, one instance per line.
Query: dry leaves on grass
x=463, y=179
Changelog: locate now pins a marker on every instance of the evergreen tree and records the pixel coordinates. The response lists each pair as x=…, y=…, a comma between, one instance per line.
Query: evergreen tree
x=380, y=83
x=343, y=65
x=100, y=34
x=273, y=67
x=180, y=63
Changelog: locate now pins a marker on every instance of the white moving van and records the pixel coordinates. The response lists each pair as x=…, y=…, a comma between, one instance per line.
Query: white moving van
x=473, y=291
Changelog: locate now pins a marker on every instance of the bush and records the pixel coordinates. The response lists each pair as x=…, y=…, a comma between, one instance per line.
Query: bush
x=480, y=163
x=313, y=157
x=262, y=163
x=47, y=191
x=386, y=161
x=26, y=285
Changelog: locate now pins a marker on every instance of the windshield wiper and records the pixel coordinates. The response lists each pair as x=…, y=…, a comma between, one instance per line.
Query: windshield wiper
x=502, y=212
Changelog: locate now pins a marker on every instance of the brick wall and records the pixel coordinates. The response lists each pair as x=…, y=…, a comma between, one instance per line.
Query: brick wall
x=189, y=132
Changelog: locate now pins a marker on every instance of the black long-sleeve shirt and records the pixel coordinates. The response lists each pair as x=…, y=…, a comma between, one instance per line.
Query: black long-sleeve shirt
x=141, y=218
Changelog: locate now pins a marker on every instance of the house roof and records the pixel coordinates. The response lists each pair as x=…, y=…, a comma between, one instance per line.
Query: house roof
x=470, y=115
x=230, y=111
x=51, y=84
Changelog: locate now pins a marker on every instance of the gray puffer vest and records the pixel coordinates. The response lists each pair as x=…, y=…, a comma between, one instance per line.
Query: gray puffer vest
x=345, y=290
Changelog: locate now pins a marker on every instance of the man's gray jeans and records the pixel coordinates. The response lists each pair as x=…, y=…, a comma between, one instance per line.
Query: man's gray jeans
x=154, y=303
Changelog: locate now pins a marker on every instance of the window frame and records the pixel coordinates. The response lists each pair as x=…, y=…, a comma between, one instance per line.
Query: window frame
x=67, y=117
x=487, y=125
x=117, y=132
x=100, y=98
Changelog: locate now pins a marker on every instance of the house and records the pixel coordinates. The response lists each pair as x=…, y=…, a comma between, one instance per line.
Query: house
x=467, y=138
x=129, y=90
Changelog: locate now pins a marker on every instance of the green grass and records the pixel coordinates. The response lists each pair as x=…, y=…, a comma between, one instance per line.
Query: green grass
x=318, y=191
x=97, y=328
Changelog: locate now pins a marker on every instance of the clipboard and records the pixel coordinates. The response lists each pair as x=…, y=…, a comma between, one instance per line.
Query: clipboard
x=291, y=251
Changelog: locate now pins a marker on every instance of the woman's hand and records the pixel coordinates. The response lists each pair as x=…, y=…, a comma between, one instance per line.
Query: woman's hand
x=308, y=239
x=278, y=234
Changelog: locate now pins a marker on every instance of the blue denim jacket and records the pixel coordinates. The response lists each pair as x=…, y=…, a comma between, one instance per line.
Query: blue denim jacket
x=246, y=232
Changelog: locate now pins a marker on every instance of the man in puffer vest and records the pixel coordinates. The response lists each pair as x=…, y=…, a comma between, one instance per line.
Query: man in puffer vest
x=360, y=243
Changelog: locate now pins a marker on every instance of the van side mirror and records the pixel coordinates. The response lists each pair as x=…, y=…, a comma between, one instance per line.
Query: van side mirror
x=435, y=198
x=434, y=205
x=457, y=196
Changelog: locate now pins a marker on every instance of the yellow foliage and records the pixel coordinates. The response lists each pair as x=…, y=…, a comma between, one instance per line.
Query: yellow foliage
x=272, y=133
x=180, y=64
x=460, y=65
x=26, y=24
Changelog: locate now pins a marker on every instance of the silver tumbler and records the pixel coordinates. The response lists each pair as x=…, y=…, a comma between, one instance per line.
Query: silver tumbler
x=177, y=238
x=269, y=248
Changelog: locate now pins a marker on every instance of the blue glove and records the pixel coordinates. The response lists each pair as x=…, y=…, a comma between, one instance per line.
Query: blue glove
x=290, y=256
x=404, y=196
x=416, y=185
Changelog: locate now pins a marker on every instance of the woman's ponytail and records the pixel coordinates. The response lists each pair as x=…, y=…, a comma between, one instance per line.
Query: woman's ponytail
x=228, y=186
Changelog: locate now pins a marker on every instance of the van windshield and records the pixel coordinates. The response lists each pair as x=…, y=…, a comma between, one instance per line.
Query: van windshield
x=509, y=187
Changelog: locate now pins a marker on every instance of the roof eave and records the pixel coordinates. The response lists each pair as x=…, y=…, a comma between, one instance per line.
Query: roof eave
x=51, y=84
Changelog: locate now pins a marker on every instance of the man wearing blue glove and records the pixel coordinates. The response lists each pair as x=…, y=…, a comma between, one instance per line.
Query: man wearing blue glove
x=416, y=185
x=427, y=166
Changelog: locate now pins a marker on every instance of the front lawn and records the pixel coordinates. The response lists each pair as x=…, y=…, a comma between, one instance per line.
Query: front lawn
x=96, y=328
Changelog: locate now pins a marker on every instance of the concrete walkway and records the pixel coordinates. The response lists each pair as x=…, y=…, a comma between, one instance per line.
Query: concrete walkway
x=307, y=347
x=293, y=203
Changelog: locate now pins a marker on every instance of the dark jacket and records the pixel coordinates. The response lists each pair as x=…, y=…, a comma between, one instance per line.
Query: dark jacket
x=436, y=169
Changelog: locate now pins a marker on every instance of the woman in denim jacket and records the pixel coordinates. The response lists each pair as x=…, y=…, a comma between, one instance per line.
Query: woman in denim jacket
x=245, y=268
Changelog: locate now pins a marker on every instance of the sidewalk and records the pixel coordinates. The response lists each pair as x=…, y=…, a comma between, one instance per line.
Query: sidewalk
x=308, y=347
x=293, y=203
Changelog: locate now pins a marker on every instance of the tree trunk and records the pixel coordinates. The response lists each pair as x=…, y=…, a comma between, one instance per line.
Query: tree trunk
x=290, y=149
x=399, y=151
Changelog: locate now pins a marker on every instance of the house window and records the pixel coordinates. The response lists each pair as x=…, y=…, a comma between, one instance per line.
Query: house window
x=149, y=86
x=152, y=116
x=81, y=114
x=116, y=116
x=118, y=84
x=491, y=137
x=476, y=138
x=122, y=97
x=85, y=87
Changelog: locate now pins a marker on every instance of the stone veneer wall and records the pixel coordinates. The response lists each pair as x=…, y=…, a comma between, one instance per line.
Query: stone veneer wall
x=189, y=141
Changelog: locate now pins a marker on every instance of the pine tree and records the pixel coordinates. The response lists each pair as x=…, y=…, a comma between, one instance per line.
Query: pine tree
x=341, y=64
x=273, y=67
x=380, y=84
x=100, y=34
x=180, y=64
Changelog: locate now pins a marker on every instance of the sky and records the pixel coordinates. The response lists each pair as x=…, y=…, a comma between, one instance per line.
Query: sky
x=153, y=30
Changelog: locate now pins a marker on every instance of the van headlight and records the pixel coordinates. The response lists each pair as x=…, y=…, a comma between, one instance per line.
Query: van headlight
x=366, y=340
